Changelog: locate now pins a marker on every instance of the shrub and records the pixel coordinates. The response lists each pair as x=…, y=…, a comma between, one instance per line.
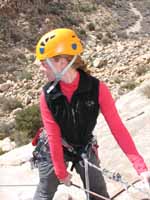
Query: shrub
x=27, y=123
x=20, y=138
x=129, y=85
x=91, y=26
x=146, y=91
x=109, y=3
x=87, y=8
x=56, y=8
x=70, y=21
x=141, y=69
x=1, y=151
x=117, y=79
x=3, y=135
x=24, y=74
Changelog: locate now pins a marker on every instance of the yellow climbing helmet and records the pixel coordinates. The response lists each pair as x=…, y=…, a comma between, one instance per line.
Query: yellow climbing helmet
x=60, y=41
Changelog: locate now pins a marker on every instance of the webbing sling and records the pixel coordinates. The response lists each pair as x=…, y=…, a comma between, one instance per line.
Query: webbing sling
x=58, y=75
x=86, y=167
x=85, y=160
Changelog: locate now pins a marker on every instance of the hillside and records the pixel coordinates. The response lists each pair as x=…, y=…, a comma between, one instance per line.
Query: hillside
x=116, y=37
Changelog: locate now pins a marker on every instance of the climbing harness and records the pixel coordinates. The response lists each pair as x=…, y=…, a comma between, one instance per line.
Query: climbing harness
x=114, y=176
x=41, y=146
x=110, y=175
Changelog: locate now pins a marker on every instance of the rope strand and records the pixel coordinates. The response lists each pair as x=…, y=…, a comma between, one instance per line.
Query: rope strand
x=115, y=176
x=110, y=175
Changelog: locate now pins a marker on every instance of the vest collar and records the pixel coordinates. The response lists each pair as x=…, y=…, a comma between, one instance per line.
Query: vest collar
x=85, y=85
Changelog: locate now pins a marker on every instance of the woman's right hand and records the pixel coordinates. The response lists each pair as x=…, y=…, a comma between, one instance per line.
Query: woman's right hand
x=67, y=180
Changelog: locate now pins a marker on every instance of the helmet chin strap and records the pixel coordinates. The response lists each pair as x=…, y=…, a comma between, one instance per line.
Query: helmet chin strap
x=58, y=75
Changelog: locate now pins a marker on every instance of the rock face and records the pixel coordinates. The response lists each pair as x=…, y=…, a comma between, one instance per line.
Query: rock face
x=134, y=109
x=116, y=40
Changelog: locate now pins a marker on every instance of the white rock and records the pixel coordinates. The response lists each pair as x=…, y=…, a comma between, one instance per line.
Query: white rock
x=5, y=86
x=7, y=144
x=17, y=156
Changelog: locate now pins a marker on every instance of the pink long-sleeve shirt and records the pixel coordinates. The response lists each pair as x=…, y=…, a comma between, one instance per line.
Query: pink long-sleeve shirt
x=110, y=113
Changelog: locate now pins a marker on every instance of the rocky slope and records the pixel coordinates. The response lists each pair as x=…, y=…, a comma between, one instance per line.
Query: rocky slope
x=116, y=36
x=134, y=109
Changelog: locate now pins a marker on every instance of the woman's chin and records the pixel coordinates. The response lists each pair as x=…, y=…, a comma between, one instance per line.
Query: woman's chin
x=50, y=78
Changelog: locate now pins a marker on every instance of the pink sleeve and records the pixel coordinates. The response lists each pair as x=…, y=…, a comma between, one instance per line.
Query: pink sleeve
x=119, y=131
x=54, y=139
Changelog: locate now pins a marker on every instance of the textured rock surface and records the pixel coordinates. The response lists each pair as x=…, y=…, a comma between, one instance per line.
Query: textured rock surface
x=134, y=108
x=117, y=49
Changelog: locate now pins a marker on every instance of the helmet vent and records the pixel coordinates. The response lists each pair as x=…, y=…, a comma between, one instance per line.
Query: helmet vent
x=42, y=44
x=52, y=36
x=46, y=40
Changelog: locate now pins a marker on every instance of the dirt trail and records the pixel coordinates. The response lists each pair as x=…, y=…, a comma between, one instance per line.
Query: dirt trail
x=137, y=26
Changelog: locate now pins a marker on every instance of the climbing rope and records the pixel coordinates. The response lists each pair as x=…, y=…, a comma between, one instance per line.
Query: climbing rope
x=115, y=176
x=85, y=190
x=92, y=193
x=77, y=186
x=72, y=184
x=16, y=185
x=123, y=190
x=87, y=184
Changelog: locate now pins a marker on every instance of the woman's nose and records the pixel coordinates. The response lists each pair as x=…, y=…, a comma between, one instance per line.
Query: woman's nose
x=42, y=68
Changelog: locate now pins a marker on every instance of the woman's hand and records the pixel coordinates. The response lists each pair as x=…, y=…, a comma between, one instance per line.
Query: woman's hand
x=146, y=178
x=67, y=180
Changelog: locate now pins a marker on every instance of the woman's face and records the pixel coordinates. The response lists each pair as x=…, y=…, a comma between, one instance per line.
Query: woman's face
x=46, y=70
x=59, y=65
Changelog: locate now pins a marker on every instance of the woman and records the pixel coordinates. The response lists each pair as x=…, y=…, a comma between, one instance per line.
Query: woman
x=70, y=104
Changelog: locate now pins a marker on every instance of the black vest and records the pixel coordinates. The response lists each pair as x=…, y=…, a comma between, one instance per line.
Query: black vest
x=77, y=118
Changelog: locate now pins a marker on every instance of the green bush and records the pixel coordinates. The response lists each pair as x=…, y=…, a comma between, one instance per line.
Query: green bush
x=141, y=69
x=1, y=151
x=3, y=136
x=86, y=8
x=91, y=26
x=109, y=3
x=70, y=21
x=24, y=74
x=117, y=79
x=146, y=91
x=56, y=8
x=129, y=85
x=28, y=121
x=20, y=138
x=82, y=33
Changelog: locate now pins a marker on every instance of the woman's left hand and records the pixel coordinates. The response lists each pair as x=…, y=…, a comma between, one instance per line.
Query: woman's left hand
x=67, y=180
x=146, y=178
